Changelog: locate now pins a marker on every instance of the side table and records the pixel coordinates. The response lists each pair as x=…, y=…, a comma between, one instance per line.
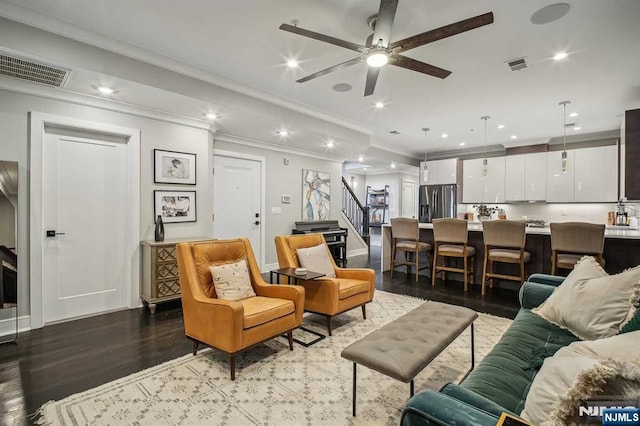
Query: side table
x=292, y=278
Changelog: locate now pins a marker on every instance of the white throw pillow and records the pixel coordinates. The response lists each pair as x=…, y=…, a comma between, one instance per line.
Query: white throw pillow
x=232, y=281
x=579, y=372
x=592, y=304
x=316, y=259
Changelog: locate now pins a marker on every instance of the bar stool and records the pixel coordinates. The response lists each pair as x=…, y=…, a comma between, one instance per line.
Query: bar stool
x=503, y=242
x=405, y=235
x=450, y=240
x=572, y=240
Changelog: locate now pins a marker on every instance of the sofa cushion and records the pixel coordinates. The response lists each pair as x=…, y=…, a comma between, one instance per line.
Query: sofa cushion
x=316, y=259
x=231, y=281
x=350, y=287
x=260, y=310
x=505, y=374
x=592, y=304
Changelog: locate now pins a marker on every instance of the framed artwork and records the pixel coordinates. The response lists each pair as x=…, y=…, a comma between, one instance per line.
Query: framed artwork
x=316, y=195
x=175, y=206
x=174, y=167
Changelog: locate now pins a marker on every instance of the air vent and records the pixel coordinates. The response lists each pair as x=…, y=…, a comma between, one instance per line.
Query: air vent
x=394, y=132
x=517, y=64
x=35, y=72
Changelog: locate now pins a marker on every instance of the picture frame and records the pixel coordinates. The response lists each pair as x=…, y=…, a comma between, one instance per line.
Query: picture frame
x=316, y=195
x=174, y=167
x=175, y=206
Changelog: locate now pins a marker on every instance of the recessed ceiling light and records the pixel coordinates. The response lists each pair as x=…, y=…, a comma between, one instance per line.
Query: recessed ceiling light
x=444, y=135
x=577, y=128
x=330, y=144
x=514, y=137
x=461, y=144
x=211, y=116
x=573, y=114
x=360, y=159
x=560, y=55
x=500, y=126
x=292, y=63
x=393, y=165
x=105, y=90
x=379, y=104
x=283, y=133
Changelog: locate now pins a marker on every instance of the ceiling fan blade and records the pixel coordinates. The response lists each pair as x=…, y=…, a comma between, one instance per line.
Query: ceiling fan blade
x=372, y=78
x=413, y=65
x=330, y=69
x=442, y=32
x=385, y=21
x=323, y=37
x=369, y=40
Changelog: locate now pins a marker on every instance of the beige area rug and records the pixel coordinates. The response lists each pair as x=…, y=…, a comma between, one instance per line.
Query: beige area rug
x=274, y=386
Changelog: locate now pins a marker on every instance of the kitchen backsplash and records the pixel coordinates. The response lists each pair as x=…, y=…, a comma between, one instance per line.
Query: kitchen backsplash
x=595, y=213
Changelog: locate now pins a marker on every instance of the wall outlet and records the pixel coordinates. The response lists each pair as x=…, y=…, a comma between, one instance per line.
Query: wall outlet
x=564, y=212
x=276, y=210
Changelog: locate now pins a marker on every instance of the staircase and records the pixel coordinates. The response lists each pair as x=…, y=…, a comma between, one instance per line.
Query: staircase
x=357, y=214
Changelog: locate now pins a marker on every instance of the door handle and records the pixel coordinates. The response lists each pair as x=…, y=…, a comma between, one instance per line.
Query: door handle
x=52, y=233
x=257, y=222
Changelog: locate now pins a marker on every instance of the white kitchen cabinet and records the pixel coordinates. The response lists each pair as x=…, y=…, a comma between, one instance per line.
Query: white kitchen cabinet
x=596, y=178
x=559, y=183
x=440, y=172
x=483, y=189
x=526, y=177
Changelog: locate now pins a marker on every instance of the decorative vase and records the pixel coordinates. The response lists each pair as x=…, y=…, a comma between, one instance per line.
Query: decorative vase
x=159, y=229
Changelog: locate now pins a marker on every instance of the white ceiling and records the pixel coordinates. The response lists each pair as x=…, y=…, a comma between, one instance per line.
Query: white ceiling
x=240, y=41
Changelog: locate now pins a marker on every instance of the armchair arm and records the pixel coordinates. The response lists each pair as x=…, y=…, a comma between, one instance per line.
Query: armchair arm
x=553, y=280
x=533, y=294
x=215, y=322
x=356, y=273
x=433, y=408
x=321, y=295
x=287, y=292
x=476, y=400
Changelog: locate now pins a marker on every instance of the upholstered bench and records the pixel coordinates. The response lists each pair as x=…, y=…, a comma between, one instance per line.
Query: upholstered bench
x=404, y=347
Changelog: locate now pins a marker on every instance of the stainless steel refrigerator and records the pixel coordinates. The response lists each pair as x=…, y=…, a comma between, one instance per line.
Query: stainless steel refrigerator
x=437, y=201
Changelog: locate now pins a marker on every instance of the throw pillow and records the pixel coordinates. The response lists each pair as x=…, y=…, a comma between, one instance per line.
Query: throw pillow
x=583, y=371
x=592, y=304
x=232, y=281
x=316, y=259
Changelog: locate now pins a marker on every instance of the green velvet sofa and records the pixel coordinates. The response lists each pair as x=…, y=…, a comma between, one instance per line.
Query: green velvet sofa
x=500, y=382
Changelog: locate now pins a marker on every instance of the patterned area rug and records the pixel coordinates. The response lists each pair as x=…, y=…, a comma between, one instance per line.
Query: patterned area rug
x=274, y=386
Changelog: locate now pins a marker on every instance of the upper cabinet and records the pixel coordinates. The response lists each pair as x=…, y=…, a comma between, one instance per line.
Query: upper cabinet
x=526, y=177
x=477, y=188
x=440, y=172
x=559, y=183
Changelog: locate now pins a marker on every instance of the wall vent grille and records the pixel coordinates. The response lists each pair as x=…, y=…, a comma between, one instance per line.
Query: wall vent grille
x=35, y=72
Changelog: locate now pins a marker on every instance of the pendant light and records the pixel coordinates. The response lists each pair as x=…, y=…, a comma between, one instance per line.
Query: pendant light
x=565, y=166
x=485, y=162
x=425, y=172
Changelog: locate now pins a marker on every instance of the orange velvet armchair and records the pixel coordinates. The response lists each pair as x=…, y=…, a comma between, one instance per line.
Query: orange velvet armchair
x=229, y=325
x=351, y=288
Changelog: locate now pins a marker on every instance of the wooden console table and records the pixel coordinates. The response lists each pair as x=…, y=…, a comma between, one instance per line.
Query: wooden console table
x=160, y=281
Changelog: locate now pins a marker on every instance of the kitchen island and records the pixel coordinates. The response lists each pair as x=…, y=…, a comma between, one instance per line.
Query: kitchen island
x=621, y=250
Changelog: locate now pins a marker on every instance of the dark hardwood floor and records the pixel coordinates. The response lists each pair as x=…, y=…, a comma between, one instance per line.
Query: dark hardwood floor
x=59, y=360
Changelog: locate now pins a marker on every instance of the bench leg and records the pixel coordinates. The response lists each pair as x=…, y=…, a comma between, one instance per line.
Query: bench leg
x=411, y=389
x=473, y=352
x=354, y=389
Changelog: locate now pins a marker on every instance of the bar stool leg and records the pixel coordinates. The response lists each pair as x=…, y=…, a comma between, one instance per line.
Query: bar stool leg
x=466, y=275
x=417, y=255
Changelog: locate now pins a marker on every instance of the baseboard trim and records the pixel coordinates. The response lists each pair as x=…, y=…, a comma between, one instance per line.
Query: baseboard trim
x=7, y=326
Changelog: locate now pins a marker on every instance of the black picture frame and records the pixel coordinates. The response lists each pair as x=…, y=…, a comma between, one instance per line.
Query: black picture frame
x=175, y=206
x=174, y=167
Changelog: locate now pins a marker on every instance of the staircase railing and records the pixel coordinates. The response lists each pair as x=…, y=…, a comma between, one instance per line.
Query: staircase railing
x=357, y=214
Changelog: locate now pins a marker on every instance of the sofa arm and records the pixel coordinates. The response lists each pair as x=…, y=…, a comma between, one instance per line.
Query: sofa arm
x=472, y=398
x=532, y=294
x=433, y=408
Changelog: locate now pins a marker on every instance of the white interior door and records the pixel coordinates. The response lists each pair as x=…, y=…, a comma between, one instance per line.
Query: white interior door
x=409, y=199
x=237, y=200
x=84, y=196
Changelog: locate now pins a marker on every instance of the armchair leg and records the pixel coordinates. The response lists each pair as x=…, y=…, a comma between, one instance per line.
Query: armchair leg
x=195, y=347
x=232, y=366
x=290, y=336
x=329, y=324
x=364, y=311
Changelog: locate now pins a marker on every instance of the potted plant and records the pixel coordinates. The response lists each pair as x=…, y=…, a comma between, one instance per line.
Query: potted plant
x=484, y=212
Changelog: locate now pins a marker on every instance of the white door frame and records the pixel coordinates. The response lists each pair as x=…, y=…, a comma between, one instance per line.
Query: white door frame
x=415, y=193
x=263, y=196
x=38, y=121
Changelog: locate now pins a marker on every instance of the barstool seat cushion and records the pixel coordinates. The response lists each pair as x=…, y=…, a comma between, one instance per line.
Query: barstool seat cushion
x=509, y=254
x=411, y=245
x=455, y=249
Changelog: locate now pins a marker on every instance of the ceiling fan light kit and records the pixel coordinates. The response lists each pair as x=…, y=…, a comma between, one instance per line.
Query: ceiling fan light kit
x=386, y=52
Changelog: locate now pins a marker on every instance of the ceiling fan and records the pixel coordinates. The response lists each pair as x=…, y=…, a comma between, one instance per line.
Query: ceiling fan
x=384, y=51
